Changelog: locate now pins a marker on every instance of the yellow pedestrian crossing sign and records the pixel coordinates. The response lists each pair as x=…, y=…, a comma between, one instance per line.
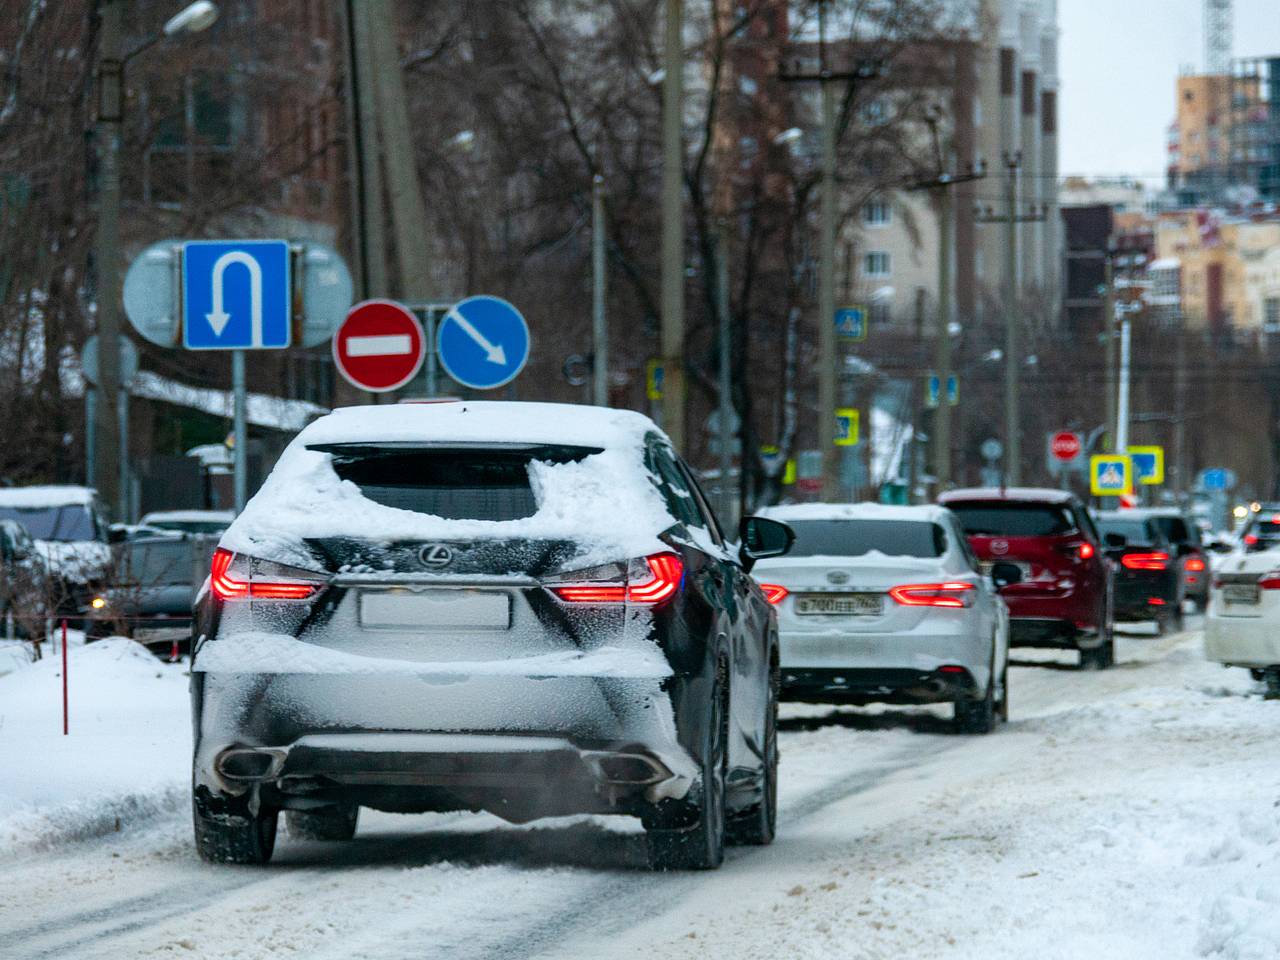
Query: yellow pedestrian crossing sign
x=1110, y=475
x=847, y=423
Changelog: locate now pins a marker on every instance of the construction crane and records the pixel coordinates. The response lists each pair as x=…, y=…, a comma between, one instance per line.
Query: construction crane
x=1218, y=22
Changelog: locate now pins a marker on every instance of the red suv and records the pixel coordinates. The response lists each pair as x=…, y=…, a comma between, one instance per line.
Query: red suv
x=1064, y=598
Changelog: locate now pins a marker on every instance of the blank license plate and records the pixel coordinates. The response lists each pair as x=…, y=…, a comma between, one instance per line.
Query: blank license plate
x=435, y=609
x=1240, y=593
x=841, y=604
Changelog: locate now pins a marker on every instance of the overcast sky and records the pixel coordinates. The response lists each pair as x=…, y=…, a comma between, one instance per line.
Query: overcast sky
x=1119, y=63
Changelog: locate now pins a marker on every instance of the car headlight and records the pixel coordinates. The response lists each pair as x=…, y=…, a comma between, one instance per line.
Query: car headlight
x=98, y=603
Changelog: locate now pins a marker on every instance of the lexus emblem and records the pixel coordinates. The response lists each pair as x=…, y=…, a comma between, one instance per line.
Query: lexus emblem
x=435, y=556
x=837, y=577
x=1000, y=547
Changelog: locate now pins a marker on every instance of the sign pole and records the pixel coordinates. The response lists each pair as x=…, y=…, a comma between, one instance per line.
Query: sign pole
x=66, y=726
x=430, y=346
x=239, y=430
x=90, y=434
x=122, y=408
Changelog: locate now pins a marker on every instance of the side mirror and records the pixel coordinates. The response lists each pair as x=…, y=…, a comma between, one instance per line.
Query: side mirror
x=1218, y=546
x=1115, y=539
x=761, y=538
x=1005, y=574
x=117, y=533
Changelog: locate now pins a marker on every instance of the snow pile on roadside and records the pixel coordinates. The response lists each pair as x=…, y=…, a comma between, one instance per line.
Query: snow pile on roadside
x=126, y=759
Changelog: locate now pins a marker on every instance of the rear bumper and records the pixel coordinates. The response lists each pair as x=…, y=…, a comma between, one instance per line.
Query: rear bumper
x=1242, y=641
x=941, y=641
x=1074, y=607
x=861, y=685
x=1052, y=633
x=1134, y=596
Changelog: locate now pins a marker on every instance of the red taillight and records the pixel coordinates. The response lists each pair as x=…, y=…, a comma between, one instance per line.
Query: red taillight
x=934, y=594
x=1195, y=564
x=666, y=570
x=227, y=586
x=1155, y=601
x=1270, y=580
x=1145, y=561
x=775, y=593
x=1250, y=539
x=1086, y=551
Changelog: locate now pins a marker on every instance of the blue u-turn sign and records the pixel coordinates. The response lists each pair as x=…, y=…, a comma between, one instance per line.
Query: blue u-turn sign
x=236, y=294
x=483, y=342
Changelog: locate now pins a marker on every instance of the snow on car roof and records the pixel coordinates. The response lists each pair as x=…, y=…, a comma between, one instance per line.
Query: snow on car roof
x=605, y=503
x=1019, y=494
x=59, y=495
x=925, y=513
x=482, y=421
x=189, y=516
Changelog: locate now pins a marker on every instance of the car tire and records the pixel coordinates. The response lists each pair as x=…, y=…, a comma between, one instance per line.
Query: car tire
x=700, y=846
x=757, y=825
x=977, y=716
x=1271, y=677
x=326, y=823
x=227, y=837
x=1002, y=705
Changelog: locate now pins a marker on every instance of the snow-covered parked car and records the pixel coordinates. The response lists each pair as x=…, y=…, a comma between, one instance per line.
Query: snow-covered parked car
x=67, y=525
x=522, y=608
x=888, y=604
x=24, y=588
x=1242, y=627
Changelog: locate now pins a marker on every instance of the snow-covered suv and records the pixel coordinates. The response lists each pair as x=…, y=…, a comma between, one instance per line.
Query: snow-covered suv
x=66, y=522
x=527, y=609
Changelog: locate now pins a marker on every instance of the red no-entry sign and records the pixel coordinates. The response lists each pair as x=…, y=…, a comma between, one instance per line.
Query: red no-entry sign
x=380, y=346
x=1065, y=445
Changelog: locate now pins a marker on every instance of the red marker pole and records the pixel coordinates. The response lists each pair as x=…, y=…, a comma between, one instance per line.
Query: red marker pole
x=64, y=677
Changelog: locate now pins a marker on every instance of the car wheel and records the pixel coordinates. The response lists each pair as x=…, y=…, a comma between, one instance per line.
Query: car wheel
x=977, y=716
x=1002, y=705
x=757, y=825
x=701, y=845
x=1100, y=657
x=1271, y=677
x=242, y=837
x=326, y=823
x=1162, y=624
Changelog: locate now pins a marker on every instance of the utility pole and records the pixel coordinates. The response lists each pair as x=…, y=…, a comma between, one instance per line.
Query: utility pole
x=109, y=457
x=364, y=82
x=1109, y=327
x=1122, y=398
x=1012, y=348
x=1180, y=415
x=826, y=78
x=599, y=321
x=726, y=381
x=941, y=186
x=673, y=390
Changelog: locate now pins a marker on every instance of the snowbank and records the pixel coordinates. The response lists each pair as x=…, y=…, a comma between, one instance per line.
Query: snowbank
x=127, y=758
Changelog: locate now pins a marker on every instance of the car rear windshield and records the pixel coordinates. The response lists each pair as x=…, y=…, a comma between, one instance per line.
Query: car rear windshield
x=69, y=522
x=1267, y=528
x=1176, y=530
x=1014, y=519
x=1133, y=531
x=467, y=483
x=853, y=538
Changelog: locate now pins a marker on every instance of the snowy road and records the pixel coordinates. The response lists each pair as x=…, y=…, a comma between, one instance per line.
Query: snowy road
x=1131, y=813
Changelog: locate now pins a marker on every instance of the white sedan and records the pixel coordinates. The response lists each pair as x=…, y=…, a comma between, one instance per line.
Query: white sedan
x=1242, y=628
x=889, y=604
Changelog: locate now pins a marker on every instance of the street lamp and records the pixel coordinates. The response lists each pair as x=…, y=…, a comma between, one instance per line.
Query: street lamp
x=112, y=462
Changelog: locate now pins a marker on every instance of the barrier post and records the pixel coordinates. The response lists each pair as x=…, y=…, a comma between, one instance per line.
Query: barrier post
x=64, y=677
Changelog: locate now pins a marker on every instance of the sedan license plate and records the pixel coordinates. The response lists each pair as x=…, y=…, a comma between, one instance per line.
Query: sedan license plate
x=1240, y=593
x=840, y=604
x=436, y=609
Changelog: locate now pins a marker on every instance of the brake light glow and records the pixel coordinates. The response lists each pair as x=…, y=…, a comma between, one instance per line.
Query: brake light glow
x=1155, y=601
x=1086, y=551
x=1270, y=580
x=1250, y=539
x=957, y=594
x=1195, y=564
x=227, y=586
x=1145, y=561
x=775, y=593
x=666, y=571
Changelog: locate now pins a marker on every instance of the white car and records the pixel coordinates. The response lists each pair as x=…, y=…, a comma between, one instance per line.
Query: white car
x=888, y=604
x=190, y=521
x=1242, y=628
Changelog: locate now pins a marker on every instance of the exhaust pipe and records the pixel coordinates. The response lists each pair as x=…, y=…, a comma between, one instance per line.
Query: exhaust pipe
x=250, y=764
x=626, y=769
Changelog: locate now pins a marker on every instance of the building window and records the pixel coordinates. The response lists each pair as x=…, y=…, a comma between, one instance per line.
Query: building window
x=880, y=312
x=1271, y=314
x=876, y=264
x=876, y=213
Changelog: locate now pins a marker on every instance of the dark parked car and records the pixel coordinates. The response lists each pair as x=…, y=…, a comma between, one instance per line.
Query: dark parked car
x=24, y=583
x=1148, y=574
x=1064, y=598
x=152, y=591
x=70, y=533
x=1190, y=550
x=522, y=608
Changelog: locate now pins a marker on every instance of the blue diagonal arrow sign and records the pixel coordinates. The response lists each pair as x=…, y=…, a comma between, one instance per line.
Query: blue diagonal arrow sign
x=483, y=342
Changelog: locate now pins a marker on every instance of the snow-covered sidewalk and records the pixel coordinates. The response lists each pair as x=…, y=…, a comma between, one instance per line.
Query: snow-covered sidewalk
x=126, y=758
